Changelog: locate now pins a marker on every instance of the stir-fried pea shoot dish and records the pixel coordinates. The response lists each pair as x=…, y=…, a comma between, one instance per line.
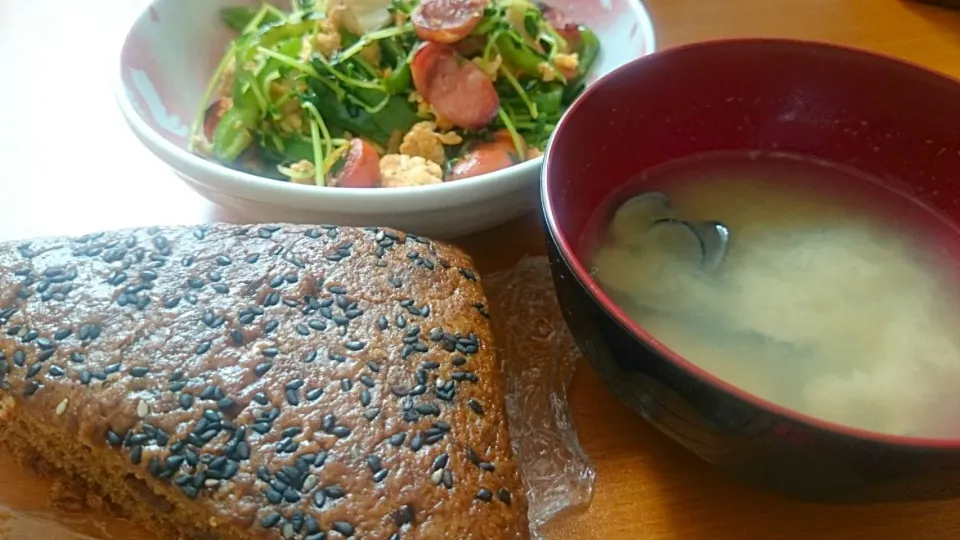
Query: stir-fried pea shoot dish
x=390, y=93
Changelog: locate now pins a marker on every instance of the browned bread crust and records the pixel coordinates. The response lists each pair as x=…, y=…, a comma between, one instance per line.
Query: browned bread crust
x=268, y=381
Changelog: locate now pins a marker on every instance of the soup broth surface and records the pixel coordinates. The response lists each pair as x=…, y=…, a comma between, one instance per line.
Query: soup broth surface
x=837, y=296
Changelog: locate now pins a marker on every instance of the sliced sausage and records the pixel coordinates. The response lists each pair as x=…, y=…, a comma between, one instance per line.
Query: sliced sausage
x=485, y=158
x=213, y=115
x=502, y=139
x=361, y=168
x=446, y=21
x=459, y=90
x=567, y=29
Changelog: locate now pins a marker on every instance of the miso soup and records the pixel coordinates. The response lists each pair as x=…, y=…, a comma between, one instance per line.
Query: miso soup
x=837, y=295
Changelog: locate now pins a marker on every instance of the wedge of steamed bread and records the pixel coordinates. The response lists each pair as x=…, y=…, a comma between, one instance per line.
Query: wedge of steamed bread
x=269, y=381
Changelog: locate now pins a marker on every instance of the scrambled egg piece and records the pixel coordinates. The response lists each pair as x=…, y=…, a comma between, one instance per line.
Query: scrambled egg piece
x=490, y=68
x=426, y=109
x=399, y=170
x=370, y=54
x=226, y=81
x=292, y=120
x=303, y=173
x=326, y=42
x=423, y=140
x=547, y=71
x=567, y=62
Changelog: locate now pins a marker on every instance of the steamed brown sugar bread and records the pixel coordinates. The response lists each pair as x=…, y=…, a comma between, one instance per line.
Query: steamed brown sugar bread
x=274, y=381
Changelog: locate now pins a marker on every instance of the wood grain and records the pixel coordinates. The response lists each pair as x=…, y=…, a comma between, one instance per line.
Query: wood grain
x=69, y=165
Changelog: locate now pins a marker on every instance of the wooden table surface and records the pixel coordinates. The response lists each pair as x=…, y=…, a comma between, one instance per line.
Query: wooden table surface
x=69, y=165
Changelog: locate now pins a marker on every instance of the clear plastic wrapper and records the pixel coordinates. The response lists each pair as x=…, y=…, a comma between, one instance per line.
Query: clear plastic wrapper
x=539, y=357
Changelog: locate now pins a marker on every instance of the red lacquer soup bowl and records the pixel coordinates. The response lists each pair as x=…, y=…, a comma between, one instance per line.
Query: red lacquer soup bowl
x=884, y=117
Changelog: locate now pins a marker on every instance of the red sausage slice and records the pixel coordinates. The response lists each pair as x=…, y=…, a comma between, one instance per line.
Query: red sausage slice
x=213, y=115
x=502, y=139
x=361, y=167
x=446, y=21
x=567, y=29
x=486, y=158
x=459, y=90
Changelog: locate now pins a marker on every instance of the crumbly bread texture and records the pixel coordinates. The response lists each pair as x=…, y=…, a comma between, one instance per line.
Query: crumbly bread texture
x=268, y=381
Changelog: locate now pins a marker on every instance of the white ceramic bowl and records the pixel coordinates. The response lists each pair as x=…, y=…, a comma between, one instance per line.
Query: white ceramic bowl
x=173, y=48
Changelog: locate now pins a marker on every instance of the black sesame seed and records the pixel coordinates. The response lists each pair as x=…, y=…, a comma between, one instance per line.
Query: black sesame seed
x=203, y=348
x=416, y=443
x=340, y=432
x=270, y=352
x=271, y=326
x=403, y=515
x=34, y=370
x=262, y=368
x=273, y=496
x=484, y=495
x=476, y=406
x=111, y=369
x=291, y=496
x=292, y=397
x=139, y=371
x=317, y=324
x=31, y=388
x=334, y=492
x=440, y=462
x=253, y=258
x=295, y=384
x=209, y=392
x=270, y=520
x=365, y=397
x=271, y=299
x=220, y=288
x=374, y=367
x=302, y=329
x=319, y=499
x=448, y=479
x=62, y=334
x=355, y=345
x=371, y=413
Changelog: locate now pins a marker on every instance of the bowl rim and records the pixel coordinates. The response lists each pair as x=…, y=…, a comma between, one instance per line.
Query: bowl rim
x=580, y=273
x=360, y=200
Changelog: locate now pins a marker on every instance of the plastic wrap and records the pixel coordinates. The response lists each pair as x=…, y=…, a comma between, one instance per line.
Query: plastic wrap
x=539, y=357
